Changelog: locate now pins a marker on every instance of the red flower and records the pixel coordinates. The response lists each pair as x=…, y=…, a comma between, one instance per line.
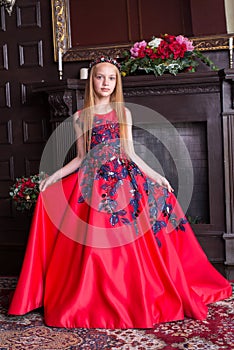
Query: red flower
x=177, y=49
x=153, y=56
x=148, y=52
x=169, y=38
x=141, y=53
x=20, y=194
x=163, y=50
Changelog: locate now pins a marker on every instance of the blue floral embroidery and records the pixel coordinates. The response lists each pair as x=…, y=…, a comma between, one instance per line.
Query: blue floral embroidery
x=104, y=162
x=161, y=205
x=113, y=178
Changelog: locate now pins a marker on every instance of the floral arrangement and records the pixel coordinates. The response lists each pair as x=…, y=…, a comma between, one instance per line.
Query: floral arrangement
x=25, y=191
x=168, y=53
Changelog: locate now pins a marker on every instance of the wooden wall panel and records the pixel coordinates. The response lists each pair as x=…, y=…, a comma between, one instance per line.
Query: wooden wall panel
x=5, y=207
x=34, y=131
x=31, y=54
x=168, y=17
x=105, y=24
x=26, y=56
x=132, y=20
x=28, y=14
x=3, y=57
x=2, y=19
x=5, y=95
x=32, y=165
x=208, y=17
x=126, y=20
x=7, y=169
x=25, y=94
x=6, y=132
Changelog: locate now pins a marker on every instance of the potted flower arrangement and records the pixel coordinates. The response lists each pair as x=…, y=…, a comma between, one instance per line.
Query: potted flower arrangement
x=25, y=191
x=169, y=53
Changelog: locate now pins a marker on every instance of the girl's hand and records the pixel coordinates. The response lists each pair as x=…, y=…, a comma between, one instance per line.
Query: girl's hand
x=49, y=180
x=162, y=181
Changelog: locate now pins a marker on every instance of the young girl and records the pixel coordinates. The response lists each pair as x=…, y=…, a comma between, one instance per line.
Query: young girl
x=109, y=246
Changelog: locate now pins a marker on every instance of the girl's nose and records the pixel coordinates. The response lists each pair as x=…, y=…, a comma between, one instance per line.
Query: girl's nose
x=105, y=82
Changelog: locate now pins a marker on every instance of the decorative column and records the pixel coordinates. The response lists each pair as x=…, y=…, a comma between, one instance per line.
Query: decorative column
x=228, y=149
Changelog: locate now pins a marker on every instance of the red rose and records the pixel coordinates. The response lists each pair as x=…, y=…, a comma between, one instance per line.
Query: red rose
x=163, y=50
x=169, y=38
x=153, y=56
x=141, y=53
x=177, y=49
x=148, y=52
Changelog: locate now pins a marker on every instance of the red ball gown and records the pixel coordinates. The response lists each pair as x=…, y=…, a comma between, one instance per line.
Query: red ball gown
x=110, y=248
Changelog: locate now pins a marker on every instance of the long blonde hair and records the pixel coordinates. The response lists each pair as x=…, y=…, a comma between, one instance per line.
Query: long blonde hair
x=117, y=103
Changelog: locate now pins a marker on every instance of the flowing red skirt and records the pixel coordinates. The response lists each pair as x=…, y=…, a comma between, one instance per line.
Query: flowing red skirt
x=130, y=281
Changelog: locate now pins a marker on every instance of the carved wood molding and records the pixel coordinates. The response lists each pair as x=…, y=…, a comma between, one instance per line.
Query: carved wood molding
x=157, y=90
x=59, y=108
x=90, y=53
x=208, y=43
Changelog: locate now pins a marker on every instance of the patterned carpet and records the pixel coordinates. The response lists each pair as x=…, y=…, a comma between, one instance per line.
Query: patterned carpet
x=29, y=332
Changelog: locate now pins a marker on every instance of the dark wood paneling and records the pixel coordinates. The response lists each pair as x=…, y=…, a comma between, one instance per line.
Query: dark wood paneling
x=5, y=95
x=105, y=24
x=3, y=57
x=208, y=17
x=6, y=132
x=2, y=19
x=34, y=131
x=127, y=21
x=28, y=14
x=158, y=19
x=32, y=165
x=5, y=207
x=25, y=94
x=27, y=35
x=7, y=169
x=30, y=54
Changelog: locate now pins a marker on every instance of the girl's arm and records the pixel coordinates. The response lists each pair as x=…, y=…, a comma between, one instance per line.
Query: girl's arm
x=74, y=164
x=162, y=181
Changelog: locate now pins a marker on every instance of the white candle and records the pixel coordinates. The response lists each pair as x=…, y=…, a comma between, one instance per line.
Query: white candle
x=60, y=60
x=84, y=72
x=230, y=52
x=230, y=43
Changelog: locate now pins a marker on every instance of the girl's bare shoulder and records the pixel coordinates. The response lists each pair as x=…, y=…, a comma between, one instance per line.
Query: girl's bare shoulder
x=77, y=118
x=128, y=115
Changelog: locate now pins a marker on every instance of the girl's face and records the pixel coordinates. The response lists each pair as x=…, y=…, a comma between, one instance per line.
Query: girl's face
x=104, y=79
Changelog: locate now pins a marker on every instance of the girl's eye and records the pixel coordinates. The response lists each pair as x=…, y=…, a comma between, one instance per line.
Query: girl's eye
x=112, y=78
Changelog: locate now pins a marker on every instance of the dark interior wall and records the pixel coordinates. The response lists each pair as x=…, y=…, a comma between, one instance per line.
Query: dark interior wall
x=208, y=17
x=126, y=21
x=26, y=57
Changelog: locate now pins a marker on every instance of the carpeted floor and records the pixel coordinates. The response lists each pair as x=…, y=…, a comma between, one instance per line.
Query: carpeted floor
x=29, y=332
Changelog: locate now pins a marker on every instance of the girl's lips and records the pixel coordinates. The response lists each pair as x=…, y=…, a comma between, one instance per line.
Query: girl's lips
x=105, y=89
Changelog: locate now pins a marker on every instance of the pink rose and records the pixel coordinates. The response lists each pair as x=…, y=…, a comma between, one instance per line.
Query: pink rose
x=183, y=40
x=138, y=48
